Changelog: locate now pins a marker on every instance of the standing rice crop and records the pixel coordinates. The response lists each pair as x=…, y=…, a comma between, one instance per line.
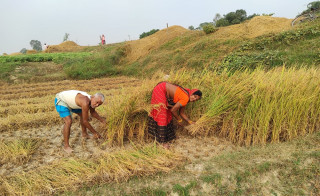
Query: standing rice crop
x=260, y=107
x=127, y=113
x=246, y=107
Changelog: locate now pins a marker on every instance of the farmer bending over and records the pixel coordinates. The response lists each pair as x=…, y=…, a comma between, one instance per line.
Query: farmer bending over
x=172, y=100
x=80, y=103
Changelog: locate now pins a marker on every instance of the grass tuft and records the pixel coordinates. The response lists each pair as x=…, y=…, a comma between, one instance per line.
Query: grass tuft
x=18, y=151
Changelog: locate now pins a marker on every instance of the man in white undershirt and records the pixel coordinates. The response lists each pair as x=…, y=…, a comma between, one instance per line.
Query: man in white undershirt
x=81, y=103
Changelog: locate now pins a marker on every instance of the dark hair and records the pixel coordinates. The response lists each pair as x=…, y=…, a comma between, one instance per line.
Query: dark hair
x=198, y=92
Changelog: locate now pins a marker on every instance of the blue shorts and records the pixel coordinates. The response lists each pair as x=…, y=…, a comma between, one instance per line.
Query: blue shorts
x=64, y=111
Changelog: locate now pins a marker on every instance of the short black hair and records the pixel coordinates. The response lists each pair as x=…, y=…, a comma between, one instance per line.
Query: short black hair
x=198, y=92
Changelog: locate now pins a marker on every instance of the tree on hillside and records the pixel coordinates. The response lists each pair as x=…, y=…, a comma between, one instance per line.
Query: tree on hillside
x=252, y=16
x=241, y=15
x=203, y=25
x=23, y=50
x=66, y=37
x=236, y=17
x=232, y=18
x=216, y=18
x=210, y=28
x=36, y=45
x=222, y=22
x=145, y=34
x=191, y=27
x=314, y=5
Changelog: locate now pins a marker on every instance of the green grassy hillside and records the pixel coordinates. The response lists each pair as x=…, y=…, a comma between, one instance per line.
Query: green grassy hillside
x=296, y=47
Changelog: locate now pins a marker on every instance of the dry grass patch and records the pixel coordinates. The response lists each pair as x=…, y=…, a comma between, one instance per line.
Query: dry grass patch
x=18, y=151
x=287, y=168
x=70, y=174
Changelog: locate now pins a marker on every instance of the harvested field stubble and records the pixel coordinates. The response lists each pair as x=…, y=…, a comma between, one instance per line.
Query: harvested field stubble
x=69, y=174
x=26, y=106
x=18, y=151
x=51, y=88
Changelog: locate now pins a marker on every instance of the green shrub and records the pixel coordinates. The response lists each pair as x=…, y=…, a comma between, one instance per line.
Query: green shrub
x=209, y=29
x=44, y=57
x=240, y=62
x=145, y=34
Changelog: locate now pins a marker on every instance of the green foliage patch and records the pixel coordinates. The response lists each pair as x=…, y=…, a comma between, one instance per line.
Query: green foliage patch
x=293, y=48
x=285, y=38
x=6, y=69
x=184, y=190
x=209, y=29
x=98, y=65
x=241, y=62
x=44, y=57
x=146, y=34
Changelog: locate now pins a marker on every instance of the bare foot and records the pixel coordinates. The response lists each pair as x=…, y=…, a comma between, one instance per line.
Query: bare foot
x=86, y=136
x=166, y=145
x=97, y=136
x=68, y=150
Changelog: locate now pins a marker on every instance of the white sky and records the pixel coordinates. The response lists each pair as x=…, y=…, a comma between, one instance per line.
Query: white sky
x=85, y=20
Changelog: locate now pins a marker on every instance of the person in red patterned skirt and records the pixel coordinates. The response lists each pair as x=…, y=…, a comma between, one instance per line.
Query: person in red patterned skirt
x=168, y=100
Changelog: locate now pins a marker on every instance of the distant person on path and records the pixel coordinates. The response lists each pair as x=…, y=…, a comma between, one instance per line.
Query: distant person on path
x=171, y=98
x=45, y=46
x=81, y=103
x=103, y=40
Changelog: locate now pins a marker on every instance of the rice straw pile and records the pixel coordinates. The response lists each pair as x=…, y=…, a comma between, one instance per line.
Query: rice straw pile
x=255, y=27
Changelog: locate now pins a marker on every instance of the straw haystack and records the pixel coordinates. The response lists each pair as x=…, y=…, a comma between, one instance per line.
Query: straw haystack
x=255, y=27
x=142, y=47
x=67, y=46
